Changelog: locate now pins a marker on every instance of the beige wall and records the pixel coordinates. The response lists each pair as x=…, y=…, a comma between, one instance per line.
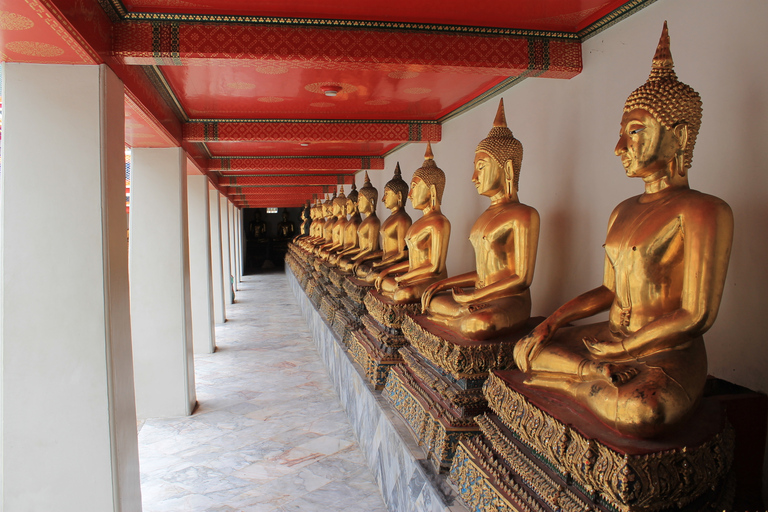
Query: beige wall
x=570, y=174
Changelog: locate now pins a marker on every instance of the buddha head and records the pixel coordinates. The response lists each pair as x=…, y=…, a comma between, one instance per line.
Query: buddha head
x=498, y=159
x=339, y=203
x=328, y=206
x=352, y=200
x=661, y=120
x=428, y=183
x=395, y=191
x=366, y=201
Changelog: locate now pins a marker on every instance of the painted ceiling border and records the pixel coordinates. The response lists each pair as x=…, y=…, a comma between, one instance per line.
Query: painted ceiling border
x=117, y=11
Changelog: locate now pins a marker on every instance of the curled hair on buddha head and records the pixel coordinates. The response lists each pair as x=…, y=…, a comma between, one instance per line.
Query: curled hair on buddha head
x=502, y=146
x=397, y=185
x=668, y=100
x=353, y=193
x=369, y=191
x=431, y=174
x=341, y=199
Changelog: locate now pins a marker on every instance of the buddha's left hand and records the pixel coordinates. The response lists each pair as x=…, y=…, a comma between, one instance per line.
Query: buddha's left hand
x=604, y=349
x=461, y=296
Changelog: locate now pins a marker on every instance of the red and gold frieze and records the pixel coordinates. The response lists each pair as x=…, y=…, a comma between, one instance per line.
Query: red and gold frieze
x=296, y=164
x=312, y=131
x=189, y=44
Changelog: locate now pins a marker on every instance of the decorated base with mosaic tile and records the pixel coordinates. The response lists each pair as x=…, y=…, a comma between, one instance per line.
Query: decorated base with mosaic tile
x=541, y=446
x=388, y=312
x=375, y=348
x=356, y=289
x=397, y=462
x=436, y=427
x=443, y=374
x=461, y=357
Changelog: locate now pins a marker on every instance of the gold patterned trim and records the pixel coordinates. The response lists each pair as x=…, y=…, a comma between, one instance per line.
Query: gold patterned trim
x=387, y=313
x=627, y=482
x=480, y=482
x=375, y=366
x=459, y=398
x=471, y=361
x=433, y=425
x=355, y=291
x=388, y=341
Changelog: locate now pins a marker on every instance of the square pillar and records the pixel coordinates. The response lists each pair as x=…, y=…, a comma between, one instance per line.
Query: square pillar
x=161, y=316
x=238, y=249
x=217, y=268
x=231, y=211
x=200, y=279
x=68, y=420
x=229, y=295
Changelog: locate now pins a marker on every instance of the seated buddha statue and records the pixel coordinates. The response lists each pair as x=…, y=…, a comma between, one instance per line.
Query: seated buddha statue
x=350, y=228
x=330, y=221
x=427, y=239
x=305, y=222
x=337, y=232
x=666, y=254
x=391, y=232
x=305, y=242
x=367, y=231
x=494, y=298
x=286, y=228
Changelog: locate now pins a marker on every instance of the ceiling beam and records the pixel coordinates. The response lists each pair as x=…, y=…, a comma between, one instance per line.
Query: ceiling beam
x=306, y=191
x=277, y=164
x=172, y=43
x=283, y=180
x=312, y=131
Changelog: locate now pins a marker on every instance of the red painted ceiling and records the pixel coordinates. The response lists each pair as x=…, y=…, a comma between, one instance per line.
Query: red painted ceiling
x=237, y=83
x=559, y=15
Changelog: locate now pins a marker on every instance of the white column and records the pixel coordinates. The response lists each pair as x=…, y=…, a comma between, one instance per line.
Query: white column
x=68, y=422
x=232, y=243
x=229, y=297
x=217, y=268
x=159, y=268
x=238, y=247
x=200, y=279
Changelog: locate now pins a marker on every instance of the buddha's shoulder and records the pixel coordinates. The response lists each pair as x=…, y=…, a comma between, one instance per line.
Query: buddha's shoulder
x=518, y=211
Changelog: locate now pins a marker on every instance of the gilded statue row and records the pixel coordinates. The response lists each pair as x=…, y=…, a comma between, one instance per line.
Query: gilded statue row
x=666, y=254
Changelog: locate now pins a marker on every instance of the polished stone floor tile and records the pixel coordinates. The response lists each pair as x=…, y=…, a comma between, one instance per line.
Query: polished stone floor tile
x=269, y=434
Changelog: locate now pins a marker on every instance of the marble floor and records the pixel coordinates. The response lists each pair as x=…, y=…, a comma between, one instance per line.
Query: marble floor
x=269, y=433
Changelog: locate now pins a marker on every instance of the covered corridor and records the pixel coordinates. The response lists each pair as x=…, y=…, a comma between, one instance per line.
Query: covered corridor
x=269, y=433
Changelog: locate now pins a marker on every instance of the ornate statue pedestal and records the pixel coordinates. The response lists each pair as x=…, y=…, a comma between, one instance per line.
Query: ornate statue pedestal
x=438, y=388
x=330, y=302
x=349, y=317
x=540, y=451
x=375, y=346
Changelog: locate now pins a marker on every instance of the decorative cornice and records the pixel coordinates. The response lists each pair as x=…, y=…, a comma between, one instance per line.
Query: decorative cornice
x=311, y=131
x=118, y=12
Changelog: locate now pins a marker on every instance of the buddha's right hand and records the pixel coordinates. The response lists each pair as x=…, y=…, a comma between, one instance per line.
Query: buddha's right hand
x=426, y=297
x=528, y=348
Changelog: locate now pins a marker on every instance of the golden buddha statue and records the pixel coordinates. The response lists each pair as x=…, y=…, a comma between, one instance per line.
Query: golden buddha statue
x=330, y=221
x=306, y=221
x=392, y=232
x=427, y=239
x=666, y=255
x=350, y=228
x=505, y=238
x=307, y=241
x=367, y=231
x=337, y=233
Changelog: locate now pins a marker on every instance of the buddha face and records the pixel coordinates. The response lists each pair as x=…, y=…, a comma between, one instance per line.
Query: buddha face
x=338, y=209
x=488, y=176
x=420, y=194
x=363, y=204
x=645, y=146
x=351, y=207
x=390, y=199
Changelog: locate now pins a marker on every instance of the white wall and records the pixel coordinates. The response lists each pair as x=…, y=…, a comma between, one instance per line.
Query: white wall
x=571, y=176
